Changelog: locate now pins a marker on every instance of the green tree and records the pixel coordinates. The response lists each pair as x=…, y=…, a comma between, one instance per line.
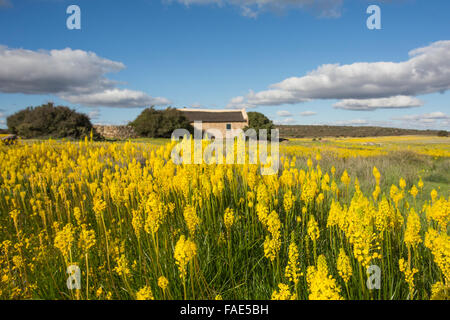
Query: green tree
x=258, y=121
x=48, y=121
x=154, y=123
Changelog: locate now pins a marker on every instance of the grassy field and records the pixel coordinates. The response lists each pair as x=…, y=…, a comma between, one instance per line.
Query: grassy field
x=398, y=157
x=137, y=226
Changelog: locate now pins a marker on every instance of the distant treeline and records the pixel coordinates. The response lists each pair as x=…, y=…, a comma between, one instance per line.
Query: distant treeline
x=316, y=131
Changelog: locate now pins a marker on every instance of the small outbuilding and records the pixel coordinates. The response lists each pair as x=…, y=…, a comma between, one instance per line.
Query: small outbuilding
x=227, y=121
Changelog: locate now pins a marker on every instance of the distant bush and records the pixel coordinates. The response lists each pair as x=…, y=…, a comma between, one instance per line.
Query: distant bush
x=154, y=123
x=48, y=121
x=442, y=133
x=310, y=131
x=258, y=121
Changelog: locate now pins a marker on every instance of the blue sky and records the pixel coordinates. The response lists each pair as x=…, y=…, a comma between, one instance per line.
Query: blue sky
x=238, y=53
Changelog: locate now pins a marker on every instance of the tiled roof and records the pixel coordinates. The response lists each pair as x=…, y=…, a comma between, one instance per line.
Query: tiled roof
x=213, y=116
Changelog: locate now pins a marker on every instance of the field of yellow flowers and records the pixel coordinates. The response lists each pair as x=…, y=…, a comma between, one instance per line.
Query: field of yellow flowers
x=137, y=226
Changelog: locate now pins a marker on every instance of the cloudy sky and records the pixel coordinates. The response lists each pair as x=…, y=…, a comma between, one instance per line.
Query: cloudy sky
x=297, y=61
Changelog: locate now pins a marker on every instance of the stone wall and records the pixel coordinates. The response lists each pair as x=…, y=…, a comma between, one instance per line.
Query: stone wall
x=116, y=132
x=222, y=126
x=127, y=132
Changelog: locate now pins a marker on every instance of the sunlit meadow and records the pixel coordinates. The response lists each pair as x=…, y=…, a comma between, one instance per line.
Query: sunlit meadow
x=140, y=227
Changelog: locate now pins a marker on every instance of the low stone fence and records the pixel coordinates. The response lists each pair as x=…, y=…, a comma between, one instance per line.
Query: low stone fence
x=116, y=132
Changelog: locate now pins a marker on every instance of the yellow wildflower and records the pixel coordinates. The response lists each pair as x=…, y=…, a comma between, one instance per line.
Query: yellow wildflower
x=228, y=218
x=283, y=293
x=185, y=251
x=163, y=282
x=292, y=271
x=191, y=218
x=145, y=294
x=344, y=266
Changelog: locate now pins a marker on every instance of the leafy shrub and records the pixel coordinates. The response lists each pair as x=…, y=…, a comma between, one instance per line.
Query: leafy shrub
x=48, y=121
x=258, y=121
x=442, y=133
x=154, y=123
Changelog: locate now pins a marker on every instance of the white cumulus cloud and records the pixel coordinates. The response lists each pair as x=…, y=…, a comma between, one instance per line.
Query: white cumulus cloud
x=76, y=76
x=438, y=115
x=117, y=98
x=2, y=115
x=352, y=122
x=286, y=121
x=264, y=98
x=284, y=113
x=426, y=71
x=308, y=113
x=94, y=114
x=437, y=119
x=396, y=102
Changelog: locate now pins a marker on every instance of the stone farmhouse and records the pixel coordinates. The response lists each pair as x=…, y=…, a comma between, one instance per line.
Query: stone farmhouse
x=227, y=121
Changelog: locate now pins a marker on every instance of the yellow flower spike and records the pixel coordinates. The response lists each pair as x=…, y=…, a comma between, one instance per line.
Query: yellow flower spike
x=344, y=266
x=289, y=201
x=409, y=275
x=412, y=236
x=145, y=293
x=438, y=243
x=283, y=293
x=420, y=184
x=122, y=268
x=377, y=175
x=87, y=238
x=185, y=251
x=228, y=219
x=64, y=240
x=414, y=191
x=191, y=218
x=434, y=195
x=321, y=285
x=440, y=291
x=345, y=178
x=309, y=163
x=163, y=283
x=313, y=229
x=318, y=156
x=292, y=271
x=402, y=183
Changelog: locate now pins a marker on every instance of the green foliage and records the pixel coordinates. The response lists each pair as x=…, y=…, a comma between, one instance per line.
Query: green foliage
x=258, y=121
x=442, y=133
x=48, y=121
x=152, y=123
